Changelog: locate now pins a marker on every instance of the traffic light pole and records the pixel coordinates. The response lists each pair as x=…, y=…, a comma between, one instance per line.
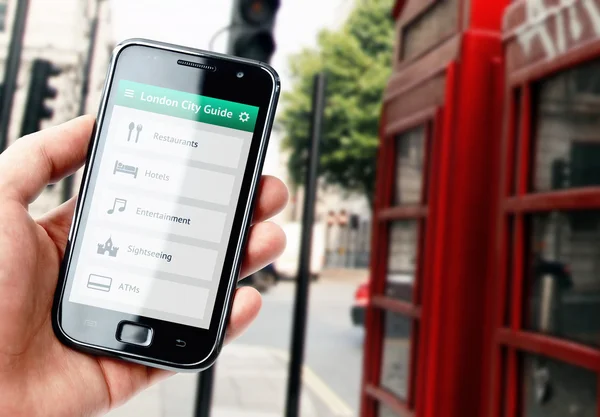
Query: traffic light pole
x=11, y=71
x=67, y=186
x=89, y=60
x=204, y=389
x=294, y=387
x=251, y=36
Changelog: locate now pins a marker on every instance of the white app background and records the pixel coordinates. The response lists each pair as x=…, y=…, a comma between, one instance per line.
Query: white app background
x=161, y=213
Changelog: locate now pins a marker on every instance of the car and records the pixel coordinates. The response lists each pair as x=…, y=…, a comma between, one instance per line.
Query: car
x=359, y=305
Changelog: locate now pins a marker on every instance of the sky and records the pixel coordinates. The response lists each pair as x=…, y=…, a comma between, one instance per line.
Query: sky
x=194, y=22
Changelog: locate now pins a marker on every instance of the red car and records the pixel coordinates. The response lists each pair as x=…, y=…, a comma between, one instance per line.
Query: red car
x=359, y=306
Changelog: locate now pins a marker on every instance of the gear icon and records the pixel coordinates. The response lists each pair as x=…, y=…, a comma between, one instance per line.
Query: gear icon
x=244, y=117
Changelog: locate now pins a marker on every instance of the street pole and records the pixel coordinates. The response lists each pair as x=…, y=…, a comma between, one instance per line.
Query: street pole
x=11, y=71
x=294, y=387
x=204, y=390
x=67, y=189
x=87, y=68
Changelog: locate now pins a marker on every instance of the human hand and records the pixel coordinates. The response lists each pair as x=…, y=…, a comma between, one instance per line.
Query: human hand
x=38, y=375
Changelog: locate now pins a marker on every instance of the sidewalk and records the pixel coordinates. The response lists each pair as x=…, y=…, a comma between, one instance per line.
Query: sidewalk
x=250, y=382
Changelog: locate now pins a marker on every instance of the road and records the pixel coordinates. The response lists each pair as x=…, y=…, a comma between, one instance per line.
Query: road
x=334, y=345
x=251, y=374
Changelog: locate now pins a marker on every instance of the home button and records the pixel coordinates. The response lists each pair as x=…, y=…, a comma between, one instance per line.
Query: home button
x=135, y=334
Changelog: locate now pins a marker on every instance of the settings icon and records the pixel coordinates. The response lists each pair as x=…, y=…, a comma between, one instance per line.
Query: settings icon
x=244, y=117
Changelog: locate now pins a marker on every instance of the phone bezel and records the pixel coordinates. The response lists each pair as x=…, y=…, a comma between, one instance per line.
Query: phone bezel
x=202, y=345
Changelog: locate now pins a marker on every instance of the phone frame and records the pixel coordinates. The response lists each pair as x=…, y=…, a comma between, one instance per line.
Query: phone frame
x=206, y=343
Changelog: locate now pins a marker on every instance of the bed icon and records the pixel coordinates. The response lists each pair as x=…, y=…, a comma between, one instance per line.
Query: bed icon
x=125, y=169
x=99, y=283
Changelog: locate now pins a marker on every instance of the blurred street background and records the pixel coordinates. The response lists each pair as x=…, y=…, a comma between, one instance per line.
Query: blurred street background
x=251, y=374
x=480, y=120
x=64, y=51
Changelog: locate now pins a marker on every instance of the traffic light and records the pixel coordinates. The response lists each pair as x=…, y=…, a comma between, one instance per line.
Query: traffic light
x=252, y=25
x=39, y=90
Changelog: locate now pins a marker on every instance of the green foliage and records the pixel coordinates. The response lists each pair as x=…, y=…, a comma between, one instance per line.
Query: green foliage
x=357, y=60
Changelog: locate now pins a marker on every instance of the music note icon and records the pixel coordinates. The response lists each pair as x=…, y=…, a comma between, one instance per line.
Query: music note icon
x=118, y=202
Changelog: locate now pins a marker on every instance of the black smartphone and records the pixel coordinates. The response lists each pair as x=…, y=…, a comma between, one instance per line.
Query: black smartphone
x=165, y=205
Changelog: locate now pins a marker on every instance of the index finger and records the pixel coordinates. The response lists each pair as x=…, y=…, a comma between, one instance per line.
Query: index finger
x=38, y=159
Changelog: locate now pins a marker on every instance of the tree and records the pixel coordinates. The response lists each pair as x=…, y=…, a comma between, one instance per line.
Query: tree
x=357, y=59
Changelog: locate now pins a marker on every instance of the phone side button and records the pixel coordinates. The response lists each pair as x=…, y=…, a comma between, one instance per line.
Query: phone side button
x=134, y=334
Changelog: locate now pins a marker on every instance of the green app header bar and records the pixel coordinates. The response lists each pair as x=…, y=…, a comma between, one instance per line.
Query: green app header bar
x=186, y=106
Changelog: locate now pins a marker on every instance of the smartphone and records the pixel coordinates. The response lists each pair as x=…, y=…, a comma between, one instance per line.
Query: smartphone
x=165, y=205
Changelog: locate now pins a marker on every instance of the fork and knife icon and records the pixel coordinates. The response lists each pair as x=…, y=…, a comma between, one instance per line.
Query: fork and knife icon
x=138, y=128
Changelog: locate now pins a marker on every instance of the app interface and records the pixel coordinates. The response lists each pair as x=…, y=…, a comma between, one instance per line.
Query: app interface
x=162, y=203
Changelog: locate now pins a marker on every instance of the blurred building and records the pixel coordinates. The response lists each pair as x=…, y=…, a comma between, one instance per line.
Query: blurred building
x=345, y=218
x=59, y=31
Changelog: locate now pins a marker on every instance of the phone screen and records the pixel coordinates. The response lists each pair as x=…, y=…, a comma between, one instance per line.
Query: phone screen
x=165, y=195
x=161, y=200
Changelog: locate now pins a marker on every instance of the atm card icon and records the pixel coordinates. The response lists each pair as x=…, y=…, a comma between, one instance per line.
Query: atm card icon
x=99, y=283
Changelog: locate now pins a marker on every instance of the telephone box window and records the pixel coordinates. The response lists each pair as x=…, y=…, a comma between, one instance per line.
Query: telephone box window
x=384, y=411
x=395, y=364
x=402, y=259
x=567, y=130
x=410, y=160
x=564, y=275
x=429, y=29
x=3, y=7
x=557, y=389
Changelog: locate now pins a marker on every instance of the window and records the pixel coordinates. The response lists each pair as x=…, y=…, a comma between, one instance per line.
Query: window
x=556, y=389
x=385, y=411
x=517, y=119
x=395, y=365
x=3, y=7
x=410, y=158
x=402, y=259
x=548, y=352
x=567, y=145
x=564, y=275
x=430, y=28
x=400, y=230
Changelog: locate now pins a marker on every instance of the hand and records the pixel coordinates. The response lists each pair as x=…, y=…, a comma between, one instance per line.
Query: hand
x=38, y=375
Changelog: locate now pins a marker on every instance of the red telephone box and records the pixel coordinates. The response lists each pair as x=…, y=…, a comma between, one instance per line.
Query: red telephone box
x=436, y=201
x=546, y=357
x=485, y=272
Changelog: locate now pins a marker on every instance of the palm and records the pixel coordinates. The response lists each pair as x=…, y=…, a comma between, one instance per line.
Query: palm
x=38, y=375
x=36, y=360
